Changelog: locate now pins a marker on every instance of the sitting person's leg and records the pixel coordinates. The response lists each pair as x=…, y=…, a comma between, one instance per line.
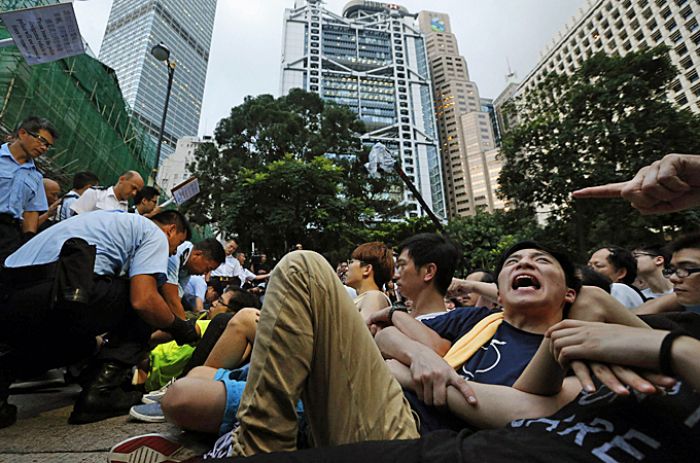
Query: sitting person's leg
x=236, y=340
x=197, y=402
x=312, y=343
x=208, y=341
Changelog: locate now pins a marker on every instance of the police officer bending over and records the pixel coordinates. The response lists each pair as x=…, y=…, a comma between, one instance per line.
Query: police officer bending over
x=91, y=274
x=22, y=194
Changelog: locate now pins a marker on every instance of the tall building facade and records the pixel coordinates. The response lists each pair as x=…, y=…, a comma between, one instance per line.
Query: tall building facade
x=465, y=123
x=185, y=27
x=623, y=26
x=371, y=59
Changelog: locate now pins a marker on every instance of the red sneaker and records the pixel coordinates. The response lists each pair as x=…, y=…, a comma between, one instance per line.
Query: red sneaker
x=150, y=448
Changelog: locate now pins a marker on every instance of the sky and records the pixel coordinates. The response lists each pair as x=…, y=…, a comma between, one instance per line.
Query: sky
x=246, y=45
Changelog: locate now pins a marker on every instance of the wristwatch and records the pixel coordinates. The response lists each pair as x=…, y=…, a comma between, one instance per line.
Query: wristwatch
x=393, y=309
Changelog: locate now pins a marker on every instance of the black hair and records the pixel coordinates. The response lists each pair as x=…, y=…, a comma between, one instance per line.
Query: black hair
x=212, y=249
x=689, y=241
x=83, y=179
x=147, y=192
x=589, y=277
x=173, y=217
x=426, y=248
x=572, y=280
x=621, y=258
x=34, y=124
x=487, y=277
x=240, y=299
x=655, y=250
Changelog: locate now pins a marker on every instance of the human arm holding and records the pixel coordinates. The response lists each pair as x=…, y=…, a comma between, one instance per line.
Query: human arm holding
x=410, y=327
x=50, y=213
x=460, y=286
x=665, y=303
x=172, y=298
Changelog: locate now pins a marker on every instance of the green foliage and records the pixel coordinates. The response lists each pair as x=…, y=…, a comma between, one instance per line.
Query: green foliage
x=291, y=170
x=483, y=237
x=599, y=125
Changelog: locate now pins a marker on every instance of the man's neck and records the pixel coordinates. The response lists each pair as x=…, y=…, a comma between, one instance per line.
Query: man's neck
x=658, y=283
x=532, y=320
x=20, y=155
x=365, y=285
x=428, y=301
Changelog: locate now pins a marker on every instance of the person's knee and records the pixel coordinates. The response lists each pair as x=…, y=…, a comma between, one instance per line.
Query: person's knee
x=244, y=319
x=178, y=401
x=202, y=372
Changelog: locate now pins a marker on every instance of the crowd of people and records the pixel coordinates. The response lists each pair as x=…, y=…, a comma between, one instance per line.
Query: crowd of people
x=387, y=356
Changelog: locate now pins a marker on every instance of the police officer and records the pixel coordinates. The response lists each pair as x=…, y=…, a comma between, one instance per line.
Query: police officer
x=82, y=181
x=113, y=198
x=52, y=307
x=22, y=195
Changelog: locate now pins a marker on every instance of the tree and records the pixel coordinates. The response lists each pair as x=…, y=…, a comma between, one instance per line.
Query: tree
x=290, y=170
x=601, y=124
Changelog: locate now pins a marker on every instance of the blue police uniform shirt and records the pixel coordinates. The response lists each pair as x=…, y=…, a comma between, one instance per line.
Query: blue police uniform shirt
x=21, y=187
x=197, y=286
x=177, y=269
x=127, y=244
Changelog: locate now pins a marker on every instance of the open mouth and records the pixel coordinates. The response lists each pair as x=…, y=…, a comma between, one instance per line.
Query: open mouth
x=526, y=281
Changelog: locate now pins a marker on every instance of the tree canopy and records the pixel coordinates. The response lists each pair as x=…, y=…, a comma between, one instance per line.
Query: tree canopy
x=599, y=125
x=291, y=170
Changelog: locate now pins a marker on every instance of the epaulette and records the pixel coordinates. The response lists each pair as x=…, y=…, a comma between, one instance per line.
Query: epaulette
x=101, y=188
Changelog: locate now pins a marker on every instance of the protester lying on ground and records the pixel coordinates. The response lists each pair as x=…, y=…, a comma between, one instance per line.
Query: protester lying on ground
x=88, y=275
x=620, y=266
x=370, y=267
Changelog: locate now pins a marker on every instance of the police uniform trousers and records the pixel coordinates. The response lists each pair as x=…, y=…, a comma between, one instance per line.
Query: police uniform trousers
x=38, y=335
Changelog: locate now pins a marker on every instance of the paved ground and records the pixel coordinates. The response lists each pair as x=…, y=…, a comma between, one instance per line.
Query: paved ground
x=42, y=433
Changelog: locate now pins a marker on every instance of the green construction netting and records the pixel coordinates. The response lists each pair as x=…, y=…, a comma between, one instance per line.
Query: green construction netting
x=81, y=97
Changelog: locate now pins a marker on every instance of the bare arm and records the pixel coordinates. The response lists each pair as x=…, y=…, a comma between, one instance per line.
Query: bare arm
x=411, y=328
x=665, y=303
x=172, y=298
x=30, y=222
x=488, y=290
x=371, y=303
x=148, y=303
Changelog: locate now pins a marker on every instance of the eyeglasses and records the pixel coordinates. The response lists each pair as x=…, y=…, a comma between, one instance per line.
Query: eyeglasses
x=41, y=139
x=680, y=272
x=220, y=301
x=637, y=255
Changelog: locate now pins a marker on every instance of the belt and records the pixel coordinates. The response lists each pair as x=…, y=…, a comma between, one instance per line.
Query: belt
x=9, y=219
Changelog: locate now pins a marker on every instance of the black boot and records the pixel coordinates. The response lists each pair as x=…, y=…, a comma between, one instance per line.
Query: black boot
x=104, y=397
x=8, y=412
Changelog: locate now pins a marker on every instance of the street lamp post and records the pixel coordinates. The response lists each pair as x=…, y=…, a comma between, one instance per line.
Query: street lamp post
x=161, y=53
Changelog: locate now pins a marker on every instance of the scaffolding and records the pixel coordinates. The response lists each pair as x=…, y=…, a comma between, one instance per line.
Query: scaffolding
x=82, y=98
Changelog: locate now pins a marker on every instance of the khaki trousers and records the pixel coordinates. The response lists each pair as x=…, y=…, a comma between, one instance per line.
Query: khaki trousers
x=313, y=344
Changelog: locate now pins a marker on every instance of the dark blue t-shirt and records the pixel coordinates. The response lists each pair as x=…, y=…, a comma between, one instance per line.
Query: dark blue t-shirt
x=500, y=361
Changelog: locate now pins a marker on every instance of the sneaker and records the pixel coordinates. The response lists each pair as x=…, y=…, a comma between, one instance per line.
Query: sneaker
x=150, y=413
x=156, y=396
x=151, y=448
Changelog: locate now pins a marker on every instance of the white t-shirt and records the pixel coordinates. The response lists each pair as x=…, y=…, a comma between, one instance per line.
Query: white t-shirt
x=95, y=199
x=626, y=295
x=649, y=294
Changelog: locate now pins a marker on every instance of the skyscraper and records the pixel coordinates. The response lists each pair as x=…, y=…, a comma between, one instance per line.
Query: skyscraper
x=185, y=27
x=372, y=60
x=465, y=123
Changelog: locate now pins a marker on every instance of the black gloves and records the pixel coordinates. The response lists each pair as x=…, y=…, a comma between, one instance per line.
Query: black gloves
x=183, y=332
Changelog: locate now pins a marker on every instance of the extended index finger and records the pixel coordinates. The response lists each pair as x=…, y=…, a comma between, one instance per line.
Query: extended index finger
x=610, y=190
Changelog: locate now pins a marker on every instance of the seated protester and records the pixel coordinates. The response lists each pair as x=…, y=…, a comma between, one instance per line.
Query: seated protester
x=190, y=259
x=651, y=260
x=82, y=181
x=367, y=403
x=620, y=266
x=369, y=269
x=169, y=360
x=535, y=286
x=683, y=273
x=89, y=275
x=146, y=202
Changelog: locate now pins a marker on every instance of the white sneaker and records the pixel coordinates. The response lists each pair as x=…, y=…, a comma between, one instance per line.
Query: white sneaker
x=157, y=396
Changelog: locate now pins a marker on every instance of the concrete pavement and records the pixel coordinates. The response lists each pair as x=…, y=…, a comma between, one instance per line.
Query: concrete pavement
x=42, y=433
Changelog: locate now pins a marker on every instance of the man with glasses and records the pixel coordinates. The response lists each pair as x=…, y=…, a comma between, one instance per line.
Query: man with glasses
x=22, y=195
x=113, y=198
x=651, y=260
x=684, y=272
x=146, y=201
